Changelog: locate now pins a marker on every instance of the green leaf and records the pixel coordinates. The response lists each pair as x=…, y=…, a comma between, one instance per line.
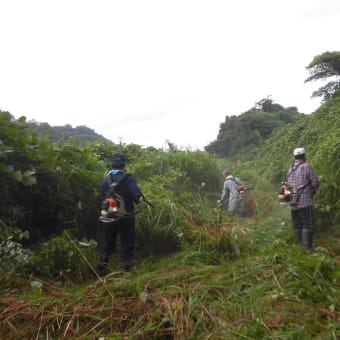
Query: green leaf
x=29, y=181
x=17, y=175
x=29, y=173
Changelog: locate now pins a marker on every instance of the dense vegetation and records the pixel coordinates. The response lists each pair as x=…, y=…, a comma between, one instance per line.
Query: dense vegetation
x=199, y=273
x=64, y=133
x=239, y=135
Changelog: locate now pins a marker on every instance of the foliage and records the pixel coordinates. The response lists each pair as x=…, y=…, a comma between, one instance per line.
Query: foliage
x=325, y=66
x=159, y=228
x=240, y=135
x=45, y=186
x=13, y=256
x=64, y=133
x=327, y=163
x=17, y=145
x=179, y=184
x=59, y=258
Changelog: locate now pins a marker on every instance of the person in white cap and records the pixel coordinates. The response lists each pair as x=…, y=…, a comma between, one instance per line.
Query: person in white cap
x=301, y=175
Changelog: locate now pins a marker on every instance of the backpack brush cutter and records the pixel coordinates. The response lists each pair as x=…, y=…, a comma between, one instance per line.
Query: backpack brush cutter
x=113, y=208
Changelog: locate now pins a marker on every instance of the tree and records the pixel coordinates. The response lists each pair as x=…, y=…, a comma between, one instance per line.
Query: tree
x=239, y=135
x=267, y=105
x=325, y=66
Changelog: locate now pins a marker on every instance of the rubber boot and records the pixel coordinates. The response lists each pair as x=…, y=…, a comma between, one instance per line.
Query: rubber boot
x=307, y=240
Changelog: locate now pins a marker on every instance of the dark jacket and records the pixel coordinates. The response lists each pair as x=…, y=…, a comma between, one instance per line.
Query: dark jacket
x=127, y=188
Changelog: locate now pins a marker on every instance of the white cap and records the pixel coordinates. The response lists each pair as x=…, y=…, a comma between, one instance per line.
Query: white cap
x=299, y=151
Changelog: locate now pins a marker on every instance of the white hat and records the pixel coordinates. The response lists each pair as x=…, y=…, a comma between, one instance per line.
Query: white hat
x=299, y=151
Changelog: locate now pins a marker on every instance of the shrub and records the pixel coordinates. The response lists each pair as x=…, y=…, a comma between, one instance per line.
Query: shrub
x=62, y=257
x=13, y=256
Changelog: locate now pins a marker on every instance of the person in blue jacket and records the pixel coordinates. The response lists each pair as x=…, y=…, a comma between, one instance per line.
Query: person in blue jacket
x=130, y=192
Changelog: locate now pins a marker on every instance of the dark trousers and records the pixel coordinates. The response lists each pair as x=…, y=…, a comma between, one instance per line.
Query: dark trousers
x=125, y=228
x=303, y=225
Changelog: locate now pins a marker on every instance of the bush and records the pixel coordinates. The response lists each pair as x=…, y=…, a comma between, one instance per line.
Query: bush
x=13, y=256
x=62, y=257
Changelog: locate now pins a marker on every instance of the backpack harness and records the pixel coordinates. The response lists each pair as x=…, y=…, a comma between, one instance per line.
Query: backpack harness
x=113, y=207
x=289, y=193
x=239, y=187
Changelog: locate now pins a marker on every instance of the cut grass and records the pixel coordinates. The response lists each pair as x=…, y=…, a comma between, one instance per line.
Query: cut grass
x=271, y=289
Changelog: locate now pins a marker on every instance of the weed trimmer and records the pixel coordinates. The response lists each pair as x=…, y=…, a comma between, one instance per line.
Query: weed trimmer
x=113, y=209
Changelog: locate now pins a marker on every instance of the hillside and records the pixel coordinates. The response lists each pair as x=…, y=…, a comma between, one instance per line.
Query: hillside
x=240, y=134
x=65, y=132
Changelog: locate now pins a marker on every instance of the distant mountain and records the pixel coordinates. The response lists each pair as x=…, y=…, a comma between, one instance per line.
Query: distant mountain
x=63, y=133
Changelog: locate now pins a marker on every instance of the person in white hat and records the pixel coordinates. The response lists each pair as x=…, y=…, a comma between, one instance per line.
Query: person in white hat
x=302, y=177
x=231, y=195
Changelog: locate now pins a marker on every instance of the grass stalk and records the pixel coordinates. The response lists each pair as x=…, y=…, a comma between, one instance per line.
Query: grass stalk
x=89, y=264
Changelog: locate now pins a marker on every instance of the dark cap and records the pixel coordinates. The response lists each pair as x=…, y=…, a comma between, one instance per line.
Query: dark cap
x=118, y=158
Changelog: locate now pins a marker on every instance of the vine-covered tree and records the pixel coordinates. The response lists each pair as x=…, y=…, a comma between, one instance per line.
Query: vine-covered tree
x=325, y=66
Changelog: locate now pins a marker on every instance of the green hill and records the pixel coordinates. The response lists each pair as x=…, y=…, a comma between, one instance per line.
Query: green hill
x=239, y=135
x=65, y=132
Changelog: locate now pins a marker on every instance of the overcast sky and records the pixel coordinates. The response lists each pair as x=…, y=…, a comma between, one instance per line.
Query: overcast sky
x=142, y=71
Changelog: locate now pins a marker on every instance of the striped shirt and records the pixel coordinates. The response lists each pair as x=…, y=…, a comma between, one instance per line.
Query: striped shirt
x=302, y=176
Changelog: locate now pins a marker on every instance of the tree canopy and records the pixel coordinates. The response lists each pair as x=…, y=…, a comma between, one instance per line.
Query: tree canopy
x=325, y=66
x=241, y=134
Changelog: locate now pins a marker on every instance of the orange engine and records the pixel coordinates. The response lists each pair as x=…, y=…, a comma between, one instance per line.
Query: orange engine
x=112, y=202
